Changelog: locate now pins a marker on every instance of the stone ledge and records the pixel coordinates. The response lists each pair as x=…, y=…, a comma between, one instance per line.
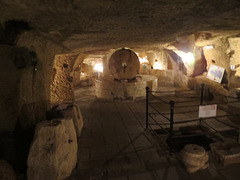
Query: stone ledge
x=226, y=152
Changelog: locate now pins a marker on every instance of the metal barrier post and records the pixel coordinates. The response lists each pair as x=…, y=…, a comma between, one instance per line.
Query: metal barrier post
x=202, y=93
x=202, y=96
x=147, y=91
x=238, y=137
x=172, y=103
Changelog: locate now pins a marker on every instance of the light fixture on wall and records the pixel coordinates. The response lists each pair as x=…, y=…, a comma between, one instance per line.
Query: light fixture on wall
x=188, y=58
x=157, y=65
x=234, y=67
x=143, y=59
x=208, y=47
x=98, y=67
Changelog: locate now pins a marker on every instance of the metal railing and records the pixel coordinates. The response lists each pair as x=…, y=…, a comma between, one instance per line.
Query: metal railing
x=157, y=103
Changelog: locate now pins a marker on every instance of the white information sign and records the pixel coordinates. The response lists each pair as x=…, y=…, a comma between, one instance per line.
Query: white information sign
x=208, y=111
x=215, y=73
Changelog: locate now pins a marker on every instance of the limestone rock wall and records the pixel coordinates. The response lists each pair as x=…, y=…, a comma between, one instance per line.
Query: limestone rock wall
x=225, y=53
x=76, y=69
x=234, y=55
x=179, y=73
x=25, y=80
x=103, y=23
x=218, y=56
x=41, y=73
x=10, y=78
x=165, y=77
x=62, y=81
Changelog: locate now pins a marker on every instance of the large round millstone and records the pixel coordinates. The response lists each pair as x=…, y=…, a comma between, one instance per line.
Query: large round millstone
x=194, y=157
x=124, y=64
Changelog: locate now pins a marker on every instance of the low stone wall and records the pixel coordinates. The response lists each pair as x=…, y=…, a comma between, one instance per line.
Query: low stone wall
x=61, y=90
x=227, y=152
x=124, y=90
x=165, y=77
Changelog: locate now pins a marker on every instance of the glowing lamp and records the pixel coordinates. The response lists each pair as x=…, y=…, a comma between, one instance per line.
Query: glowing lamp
x=188, y=58
x=98, y=67
x=208, y=47
x=157, y=65
x=143, y=60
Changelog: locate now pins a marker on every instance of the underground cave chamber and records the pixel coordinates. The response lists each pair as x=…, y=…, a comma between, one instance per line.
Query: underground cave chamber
x=115, y=75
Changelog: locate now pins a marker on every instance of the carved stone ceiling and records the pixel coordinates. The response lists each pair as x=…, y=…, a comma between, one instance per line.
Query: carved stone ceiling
x=104, y=24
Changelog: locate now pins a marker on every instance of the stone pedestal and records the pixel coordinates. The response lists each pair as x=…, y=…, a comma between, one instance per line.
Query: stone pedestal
x=109, y=88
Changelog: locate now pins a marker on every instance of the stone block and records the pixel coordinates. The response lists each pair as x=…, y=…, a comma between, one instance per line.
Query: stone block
x=73, y=111
x=226, y=152
x=53, y=154
x=6, y=171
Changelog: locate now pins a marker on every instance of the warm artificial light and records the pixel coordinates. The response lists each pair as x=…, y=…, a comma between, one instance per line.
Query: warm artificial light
x=232, y=67
x=208, y=47
x=98, y=67
x=143, y=60
x=157, y=65
x=188, y=58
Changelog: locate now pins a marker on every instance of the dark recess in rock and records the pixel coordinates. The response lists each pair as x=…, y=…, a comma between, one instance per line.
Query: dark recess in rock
x=24, y=58
x=13, y=28
x=65, y=65
x=23, y=138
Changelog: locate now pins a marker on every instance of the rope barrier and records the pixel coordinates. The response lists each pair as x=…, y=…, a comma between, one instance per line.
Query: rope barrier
x=225, y=96
x=155, y=102
x=233, y=102
x=165, y=124
x=181, y=112
x=179, y=107
x=186, y=121
x=175, y=91
x=224, y=110
x=159, y=98
x=160, y=102
x=191, y=135
x=235, y=127
x=159, y=112
x=210, y=126
x=161, y=127
x=186, y=101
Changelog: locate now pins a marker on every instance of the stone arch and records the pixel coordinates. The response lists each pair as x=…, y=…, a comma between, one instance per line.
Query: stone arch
x=76, y=69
